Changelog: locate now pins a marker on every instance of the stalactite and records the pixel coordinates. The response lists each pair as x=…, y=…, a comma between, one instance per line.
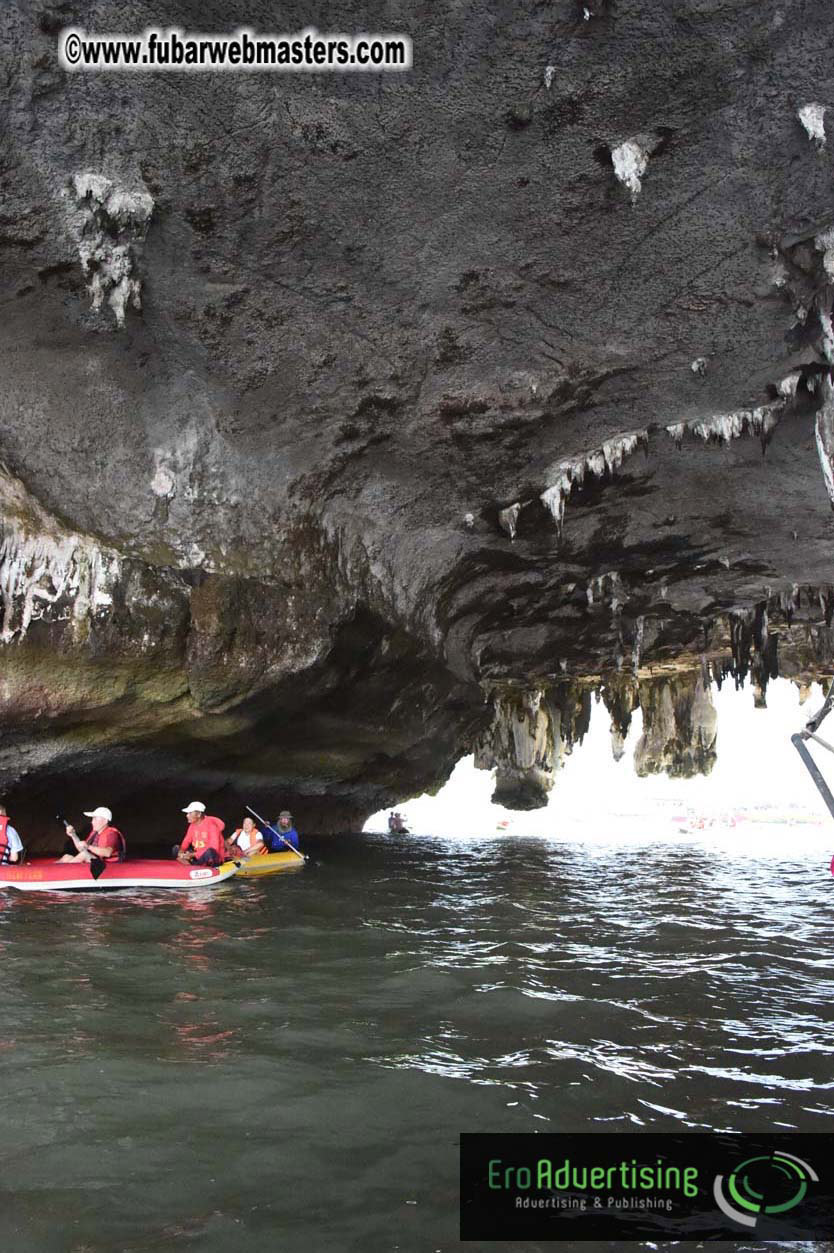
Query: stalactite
x=619, y=694
x=679, y=727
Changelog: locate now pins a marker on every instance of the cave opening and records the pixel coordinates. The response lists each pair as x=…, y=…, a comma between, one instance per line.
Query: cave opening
x=756, y=788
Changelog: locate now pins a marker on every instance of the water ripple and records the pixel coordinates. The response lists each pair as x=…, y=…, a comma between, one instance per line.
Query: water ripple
x=395, y=994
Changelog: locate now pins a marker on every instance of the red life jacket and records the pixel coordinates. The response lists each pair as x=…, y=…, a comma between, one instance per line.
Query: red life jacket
x=206, y=833
x=4, y=839
x=119, y=848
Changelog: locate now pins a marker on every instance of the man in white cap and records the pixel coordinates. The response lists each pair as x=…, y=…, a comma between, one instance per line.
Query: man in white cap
x=203, y=844
x=104, y=841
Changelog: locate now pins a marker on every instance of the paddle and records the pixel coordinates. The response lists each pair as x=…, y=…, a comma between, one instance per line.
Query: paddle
x=69, y=847
x=96, y=864
x=263, y=823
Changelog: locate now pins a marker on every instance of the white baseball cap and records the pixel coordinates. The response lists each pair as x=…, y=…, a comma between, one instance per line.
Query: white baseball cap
x=195, y=805
x=101, y=812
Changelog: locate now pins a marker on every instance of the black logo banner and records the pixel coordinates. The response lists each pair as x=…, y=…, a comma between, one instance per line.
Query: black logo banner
x=612, y=1186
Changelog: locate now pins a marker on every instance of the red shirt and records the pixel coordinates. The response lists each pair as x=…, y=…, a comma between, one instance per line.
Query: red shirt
x=207, y=833
x=109, y=838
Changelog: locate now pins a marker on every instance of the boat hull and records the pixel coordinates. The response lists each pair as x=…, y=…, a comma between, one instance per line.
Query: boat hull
x=269, y=863
x=48, y=875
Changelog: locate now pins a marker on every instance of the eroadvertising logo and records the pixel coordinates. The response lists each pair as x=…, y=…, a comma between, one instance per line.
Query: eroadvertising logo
x=642, y=1186
x=767, y=1184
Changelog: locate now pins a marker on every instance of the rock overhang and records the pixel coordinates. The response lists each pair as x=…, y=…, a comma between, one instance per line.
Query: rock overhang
x=415, y=421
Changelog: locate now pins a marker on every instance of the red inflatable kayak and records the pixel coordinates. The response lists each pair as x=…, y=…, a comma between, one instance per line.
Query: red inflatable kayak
x=47, y=875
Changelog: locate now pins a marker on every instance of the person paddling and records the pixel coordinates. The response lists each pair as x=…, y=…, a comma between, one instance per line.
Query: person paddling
x=288, y=835
x=246, y=841
x=203, y=844
x=11, y=845
x=105, y=841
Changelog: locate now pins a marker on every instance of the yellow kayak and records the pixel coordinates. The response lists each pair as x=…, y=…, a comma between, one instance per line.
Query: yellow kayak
x=270, y=863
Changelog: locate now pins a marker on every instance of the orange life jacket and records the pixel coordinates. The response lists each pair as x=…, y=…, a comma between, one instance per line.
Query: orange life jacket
x=253, y=835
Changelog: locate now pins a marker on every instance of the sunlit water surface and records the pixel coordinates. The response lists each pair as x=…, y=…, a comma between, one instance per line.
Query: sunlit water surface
x=287, y=1064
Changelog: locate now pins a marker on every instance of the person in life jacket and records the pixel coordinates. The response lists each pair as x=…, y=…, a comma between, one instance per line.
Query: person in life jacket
x=203, y=844
x=104, y=841
x=11, y=845
x=246, y=841
x=283, y=824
